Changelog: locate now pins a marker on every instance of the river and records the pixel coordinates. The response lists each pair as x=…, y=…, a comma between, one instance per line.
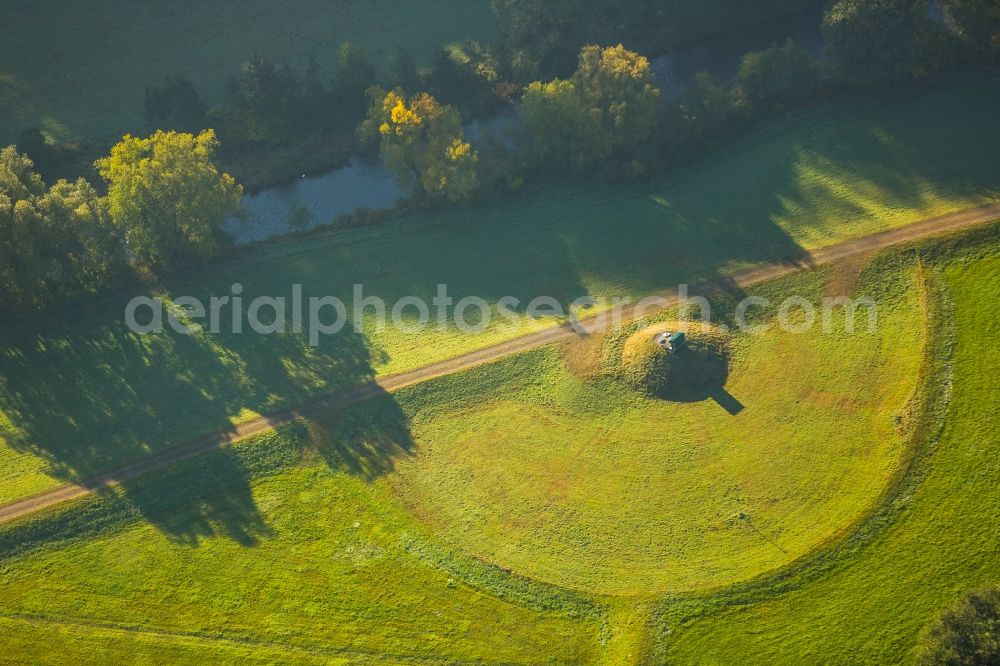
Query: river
x=313, y=201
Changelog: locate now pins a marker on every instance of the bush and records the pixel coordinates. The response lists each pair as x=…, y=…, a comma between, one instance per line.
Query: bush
x=777, y=78
x=966, y=635
x=175, y=105
x=874, y=43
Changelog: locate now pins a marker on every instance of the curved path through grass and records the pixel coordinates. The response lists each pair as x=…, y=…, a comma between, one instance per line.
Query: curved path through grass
x=869, y=602
x=862, y=246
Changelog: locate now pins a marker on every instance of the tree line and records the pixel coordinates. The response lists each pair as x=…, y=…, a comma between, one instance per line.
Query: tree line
x=164, y=209
x=167, y=197
x=607, y=119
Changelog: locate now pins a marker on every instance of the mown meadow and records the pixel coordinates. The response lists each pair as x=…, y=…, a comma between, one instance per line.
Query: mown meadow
x=80, y=393
x=285, y=556
x=869, y=602
x=536, y=510
x=580, y=481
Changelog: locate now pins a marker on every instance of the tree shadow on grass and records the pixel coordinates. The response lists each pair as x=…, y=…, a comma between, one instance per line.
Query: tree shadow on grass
x=364, y=440
x=205, y=498
x=86, y=395
x=210, y=496
x=91, y=417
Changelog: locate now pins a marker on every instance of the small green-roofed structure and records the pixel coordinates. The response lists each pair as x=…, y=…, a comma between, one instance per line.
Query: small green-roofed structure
x=671, y=341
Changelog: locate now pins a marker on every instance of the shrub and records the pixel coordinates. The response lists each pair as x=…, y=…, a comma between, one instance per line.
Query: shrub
x=966, y=635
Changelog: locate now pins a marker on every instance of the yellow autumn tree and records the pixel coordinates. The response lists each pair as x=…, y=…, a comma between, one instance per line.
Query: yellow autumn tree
x=603, y=114
x=422, y=143
x=168, y=197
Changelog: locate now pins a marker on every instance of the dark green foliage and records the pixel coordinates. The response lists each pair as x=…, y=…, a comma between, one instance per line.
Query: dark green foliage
x=175, y=105
x=680, y=21
x=877, y=42
x=978, y=22
x=404, y=71
x=777, y=78
x=280, y=122
x=268, y=94
x=966, y=635
x=54, y=159
x=706, y=113
x=55, y=243
x=542, y=37
x=353, y=75
x=469, y=77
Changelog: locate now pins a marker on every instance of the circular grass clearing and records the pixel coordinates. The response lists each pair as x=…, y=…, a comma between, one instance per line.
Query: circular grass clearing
x=589, y=485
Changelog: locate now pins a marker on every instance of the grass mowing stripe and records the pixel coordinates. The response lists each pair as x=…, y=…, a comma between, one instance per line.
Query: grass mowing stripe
x=935, y=540
x=279, y=547
x=80, y=394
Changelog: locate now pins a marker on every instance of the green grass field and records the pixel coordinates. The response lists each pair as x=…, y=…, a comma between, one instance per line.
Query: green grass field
x=536, y=511
x=428, y=525
x=88, y=81
x=870, y=602
x=603, y=490
x=80, y=393
x=309, y=561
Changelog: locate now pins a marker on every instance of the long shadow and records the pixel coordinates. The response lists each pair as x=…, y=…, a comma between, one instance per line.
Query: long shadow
x=204, y=498
x=727, y=401
x=211, y=496
x=89, y=416
x=86, y=395
x=364, y=440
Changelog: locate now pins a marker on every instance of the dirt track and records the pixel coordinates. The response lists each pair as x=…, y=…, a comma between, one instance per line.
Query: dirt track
x=548, y=336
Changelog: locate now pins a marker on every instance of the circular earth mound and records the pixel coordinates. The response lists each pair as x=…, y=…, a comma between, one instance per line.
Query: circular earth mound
x=572, y=481
x=693, y=373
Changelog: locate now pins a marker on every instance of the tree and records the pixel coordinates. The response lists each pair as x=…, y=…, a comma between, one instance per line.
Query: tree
x=267, y=100
x=466, y=76
x=422, y=142
x=966, y=635
x=542, y=37
x=619, y=88
x=877, y=42
x=704, y=114
x=89, y=250
x=23, y=261
x=404, y=70
x=558, y=125
x=353, y=75
x=604, y=112
x=54, y=243
x=978, y=22
x=168, y=198
x=175, y=105
x=776, y=78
